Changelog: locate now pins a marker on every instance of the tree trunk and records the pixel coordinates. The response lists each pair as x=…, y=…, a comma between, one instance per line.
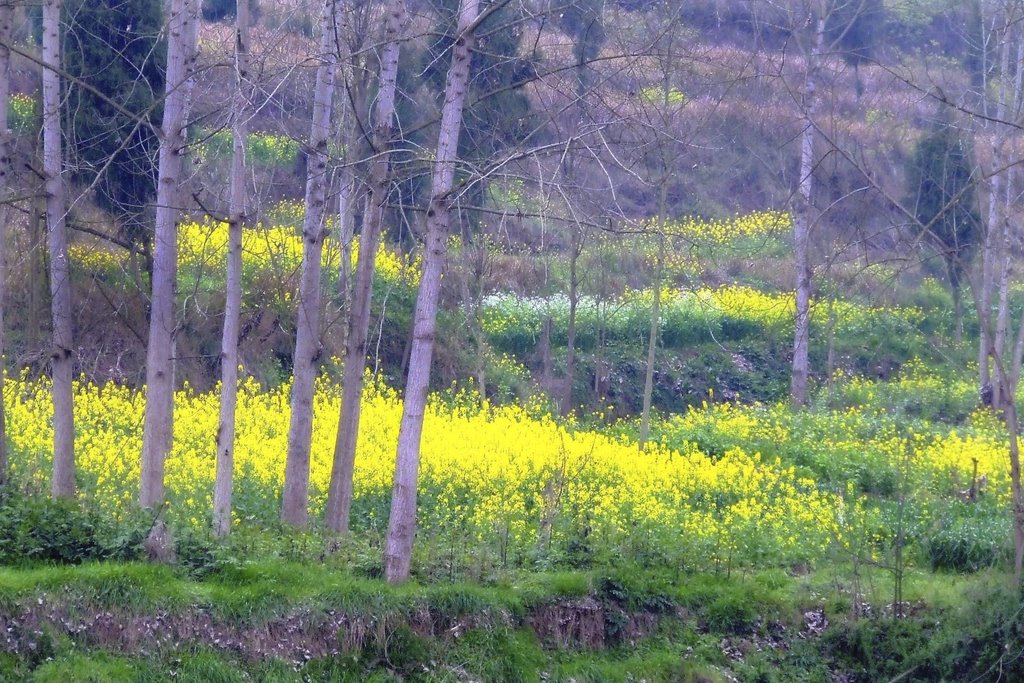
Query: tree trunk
x=994, y=231
x=576, y=248
x=471, y=311
x=233, y=294
x=37, y=271
x=402, y=521
x=802, y=228
x=956, y=290
x=1013, y=426
x=295, y=500
x=346, y=233
x=655, y=324
x=6, y=18
x=1008, y=384
x=339, y=498
x=62, y=354
x=159, y=416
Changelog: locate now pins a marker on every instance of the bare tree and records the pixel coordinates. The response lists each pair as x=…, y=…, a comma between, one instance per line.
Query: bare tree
x=339, y=499
x=62, y=354
x=159, y=416
x=803, y=216
x=402, y=521
x=6, y=18
x=295, y=499
x=233, y=295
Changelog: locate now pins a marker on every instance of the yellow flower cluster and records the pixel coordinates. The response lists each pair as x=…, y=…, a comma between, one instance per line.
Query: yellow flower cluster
x=499, y=479
x=278, y=249
x=274, y=252
x=21, y=113
x=747, y=303
x=759, y=224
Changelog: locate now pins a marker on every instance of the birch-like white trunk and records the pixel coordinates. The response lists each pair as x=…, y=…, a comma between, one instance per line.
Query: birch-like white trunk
x=233, y=295
x=158, y=422
x=802, y=219
x=6, y=18
x=402, y=521
x=61, y=354
x=295, y=499
x=339, y=497
x=990, y=340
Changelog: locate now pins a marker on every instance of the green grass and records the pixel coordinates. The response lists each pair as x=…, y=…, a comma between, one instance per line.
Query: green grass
x=959, y=624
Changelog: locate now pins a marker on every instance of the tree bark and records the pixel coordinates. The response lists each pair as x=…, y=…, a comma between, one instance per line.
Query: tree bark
x=6, y=18
x=993, y=238
x=575, y=250
x=159, y=416
x=652, y=341
x=802, y=228
x=295, y=499
x=339, y=499
x=233, y=294
x=402, y=521
x=62, y=353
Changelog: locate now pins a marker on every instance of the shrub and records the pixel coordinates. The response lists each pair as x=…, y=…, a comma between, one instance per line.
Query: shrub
x=969, y=539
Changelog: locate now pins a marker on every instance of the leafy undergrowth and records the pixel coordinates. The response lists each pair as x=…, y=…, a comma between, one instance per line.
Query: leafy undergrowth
x=277, y=620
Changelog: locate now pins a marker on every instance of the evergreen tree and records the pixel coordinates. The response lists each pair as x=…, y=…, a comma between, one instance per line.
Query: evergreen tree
x=942, y=192
x=855, y=27
x=496, y=115
x=113, y=46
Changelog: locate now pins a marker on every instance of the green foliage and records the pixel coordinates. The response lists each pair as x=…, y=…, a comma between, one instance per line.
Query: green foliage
x=970, y=537
x=47, y=530
x=115, y=49
x=23, y=114
x=497, y=113
x=96, y=668
x=262, y=149
x=942, y=194
x=983, y=635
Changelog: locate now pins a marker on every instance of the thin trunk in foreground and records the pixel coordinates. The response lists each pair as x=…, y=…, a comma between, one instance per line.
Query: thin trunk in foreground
x=233, y=294
x=655, y=323
x=802, y=229
x=61, y=356
x=339, y=497
x=402, y=521
x=6, y=17
x=159, y=416
x=295, y=499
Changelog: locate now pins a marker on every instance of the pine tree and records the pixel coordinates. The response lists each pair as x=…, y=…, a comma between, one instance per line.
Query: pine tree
x=115, y=49
x=942, y=192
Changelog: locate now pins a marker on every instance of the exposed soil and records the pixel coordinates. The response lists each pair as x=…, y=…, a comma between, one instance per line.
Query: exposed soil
x=301, y=635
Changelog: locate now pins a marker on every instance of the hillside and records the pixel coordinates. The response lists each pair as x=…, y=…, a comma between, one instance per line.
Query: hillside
x=511, y=341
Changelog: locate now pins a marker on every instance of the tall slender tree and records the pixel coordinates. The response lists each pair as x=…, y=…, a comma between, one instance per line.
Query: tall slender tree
x=803, y=216
x=295, y=499
x=402, y=522
x=62, y=351
x=159, y=416
x=339, y=499
x=233, y=295
x=6, y=20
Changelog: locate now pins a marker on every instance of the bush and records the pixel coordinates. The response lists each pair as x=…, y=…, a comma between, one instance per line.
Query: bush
x=969, y=539
x=36, y=529
x=47, y=530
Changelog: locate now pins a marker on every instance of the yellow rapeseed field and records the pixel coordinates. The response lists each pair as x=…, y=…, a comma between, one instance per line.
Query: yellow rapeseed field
x=499, y=479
